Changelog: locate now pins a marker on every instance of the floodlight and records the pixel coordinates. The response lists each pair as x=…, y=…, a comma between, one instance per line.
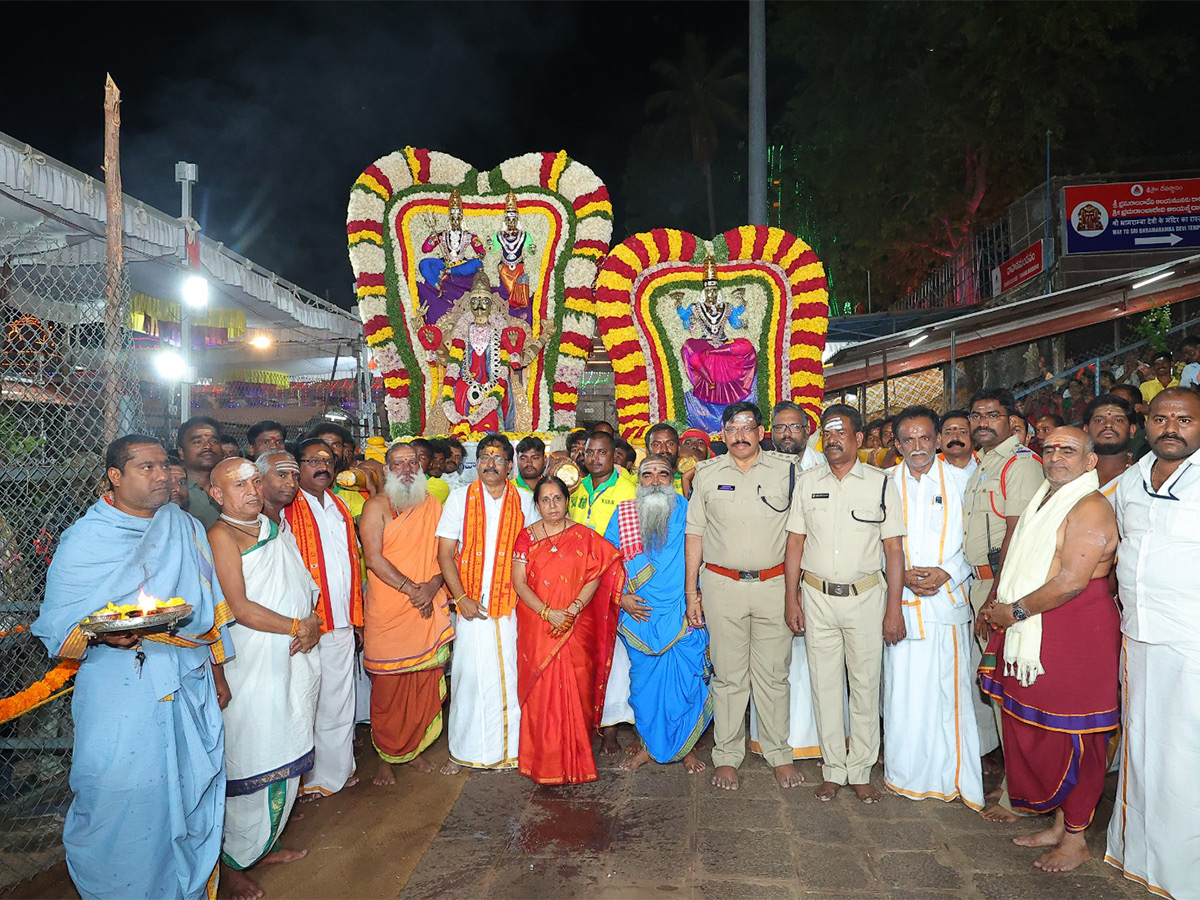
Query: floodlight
x=170, y=365
x=260, y=342
x=195, y=291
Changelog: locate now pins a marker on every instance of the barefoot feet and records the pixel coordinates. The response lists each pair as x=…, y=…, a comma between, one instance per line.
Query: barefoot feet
x=692, y=764
x=279, y=857
x=827, y=791
x=997, y=813
x=450, y=768
x=640, y=758
x=1070, y=854
x=421, y=765
x=726, y=778
x=384, y=775
x=788, y=776
x=237, y=885
x=609, y=745
x=866, y=793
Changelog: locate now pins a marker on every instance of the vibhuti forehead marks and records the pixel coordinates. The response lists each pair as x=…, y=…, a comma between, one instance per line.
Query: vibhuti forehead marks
x=246, y=471
x=287, y=465
x=743, y=418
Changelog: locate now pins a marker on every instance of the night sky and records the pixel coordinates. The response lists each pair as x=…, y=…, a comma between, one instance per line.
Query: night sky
x=282, y=105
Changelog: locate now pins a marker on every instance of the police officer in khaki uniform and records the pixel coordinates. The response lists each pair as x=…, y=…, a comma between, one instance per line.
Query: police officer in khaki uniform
x=735, y=543
x=997, y=493
x=846, y=518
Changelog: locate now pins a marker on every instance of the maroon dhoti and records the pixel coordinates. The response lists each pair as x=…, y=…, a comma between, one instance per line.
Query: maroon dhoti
x=1056, y=730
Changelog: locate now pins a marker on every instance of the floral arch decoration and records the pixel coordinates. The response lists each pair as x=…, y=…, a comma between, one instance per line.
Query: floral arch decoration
x=771, y=311
x=409, y=307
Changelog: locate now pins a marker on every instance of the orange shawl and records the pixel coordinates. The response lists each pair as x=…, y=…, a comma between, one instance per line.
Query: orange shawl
x=502, y=598
x=308, y=538
x=396, y=638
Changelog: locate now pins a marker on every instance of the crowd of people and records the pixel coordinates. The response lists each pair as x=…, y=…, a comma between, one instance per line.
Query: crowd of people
x=929, y=584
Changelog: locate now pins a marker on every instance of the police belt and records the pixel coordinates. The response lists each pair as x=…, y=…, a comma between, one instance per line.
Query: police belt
x=741, y=575
x=842, y=590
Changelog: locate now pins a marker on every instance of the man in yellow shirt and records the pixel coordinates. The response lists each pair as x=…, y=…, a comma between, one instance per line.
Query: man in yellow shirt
x=593, y=503
x=1164, y=377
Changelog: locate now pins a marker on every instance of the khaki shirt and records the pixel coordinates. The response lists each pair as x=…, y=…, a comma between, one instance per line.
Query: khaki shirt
x=986, y=507
x=845, y=521
x=742, y=516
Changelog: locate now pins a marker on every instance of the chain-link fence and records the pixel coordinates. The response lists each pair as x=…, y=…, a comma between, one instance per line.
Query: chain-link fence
x=67, y=386
x=295, y=403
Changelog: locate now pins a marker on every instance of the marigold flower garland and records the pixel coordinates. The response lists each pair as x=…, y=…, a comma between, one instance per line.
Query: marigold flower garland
x=644, y=345
x=38, y=693
x=401, y=189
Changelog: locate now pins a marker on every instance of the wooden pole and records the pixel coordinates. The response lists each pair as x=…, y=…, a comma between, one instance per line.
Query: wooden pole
x=115, y=260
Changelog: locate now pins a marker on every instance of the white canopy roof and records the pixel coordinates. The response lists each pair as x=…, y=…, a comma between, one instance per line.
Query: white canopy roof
x=47, y=206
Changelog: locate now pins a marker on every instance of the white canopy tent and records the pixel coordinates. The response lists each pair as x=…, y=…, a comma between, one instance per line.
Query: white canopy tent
x=52, y=214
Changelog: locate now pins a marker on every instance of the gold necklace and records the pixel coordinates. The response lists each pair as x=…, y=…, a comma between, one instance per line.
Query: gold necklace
x=551, y=538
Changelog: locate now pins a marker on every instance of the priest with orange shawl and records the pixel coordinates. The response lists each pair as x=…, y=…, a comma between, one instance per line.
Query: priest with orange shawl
x=476, y=536
x=407, y=628
x=569, y=580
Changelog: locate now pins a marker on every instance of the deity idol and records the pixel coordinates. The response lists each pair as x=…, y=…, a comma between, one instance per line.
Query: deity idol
x=482, y=389
x=721, y=370
x=512, y=242
x=448, y=275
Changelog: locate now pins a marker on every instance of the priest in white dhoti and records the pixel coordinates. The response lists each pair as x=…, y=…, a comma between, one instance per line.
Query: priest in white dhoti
x=931, y=743
x=274, y=682
x=1154, y=832
x=476, y=534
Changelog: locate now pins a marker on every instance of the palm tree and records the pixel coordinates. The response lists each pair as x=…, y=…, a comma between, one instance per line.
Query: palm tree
x=697, y=101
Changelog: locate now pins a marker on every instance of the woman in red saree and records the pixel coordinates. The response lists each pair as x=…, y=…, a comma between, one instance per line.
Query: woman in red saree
x=569, y=580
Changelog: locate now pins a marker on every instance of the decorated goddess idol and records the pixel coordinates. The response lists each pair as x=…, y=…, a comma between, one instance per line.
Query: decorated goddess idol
x=693, y=325
x=721, y=370
x=450, y=362
x=512, y=242
x=459, y=255
x=483, y=389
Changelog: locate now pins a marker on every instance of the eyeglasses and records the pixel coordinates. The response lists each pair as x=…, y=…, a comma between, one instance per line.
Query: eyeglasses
x=797, y=427
x=993, y=416
x=494, y=458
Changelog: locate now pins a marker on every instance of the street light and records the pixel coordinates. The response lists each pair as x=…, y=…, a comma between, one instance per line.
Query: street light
x=170, y=365
x=195, y=291
x=260, y=342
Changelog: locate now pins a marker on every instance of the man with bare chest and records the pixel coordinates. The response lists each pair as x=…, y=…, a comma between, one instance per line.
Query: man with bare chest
x=1052, y=661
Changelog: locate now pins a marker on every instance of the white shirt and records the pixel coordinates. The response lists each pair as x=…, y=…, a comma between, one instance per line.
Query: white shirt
x=810, y=458
x=336, y=550
x=1190, y=375
x=933, y=517
x=971, y=466
x=1160, y=544
x=454, y=521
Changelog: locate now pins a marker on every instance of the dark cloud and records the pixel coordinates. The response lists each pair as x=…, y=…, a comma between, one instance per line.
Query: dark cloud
x=282, y=105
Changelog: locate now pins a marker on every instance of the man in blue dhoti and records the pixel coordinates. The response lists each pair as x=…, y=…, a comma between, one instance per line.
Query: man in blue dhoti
x=669, y=669
x=148, y=772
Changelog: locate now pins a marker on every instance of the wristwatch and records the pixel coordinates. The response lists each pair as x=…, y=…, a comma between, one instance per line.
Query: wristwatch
x=1019, y=613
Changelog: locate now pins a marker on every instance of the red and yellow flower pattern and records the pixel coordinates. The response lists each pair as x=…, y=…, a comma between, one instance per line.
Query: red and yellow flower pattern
x=789, y=298
x=391, y=205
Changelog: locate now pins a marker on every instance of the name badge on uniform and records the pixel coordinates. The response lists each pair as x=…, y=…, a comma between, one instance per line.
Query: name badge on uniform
x=938, y=499
x=725, y=487
x=820, y=496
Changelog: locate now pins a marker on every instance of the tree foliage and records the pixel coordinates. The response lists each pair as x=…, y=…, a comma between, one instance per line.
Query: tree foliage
x=914, y=123
x=698, y=100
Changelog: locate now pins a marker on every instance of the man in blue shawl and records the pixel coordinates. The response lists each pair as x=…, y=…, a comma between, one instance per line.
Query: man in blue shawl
x=148, y=772
x=668, y=654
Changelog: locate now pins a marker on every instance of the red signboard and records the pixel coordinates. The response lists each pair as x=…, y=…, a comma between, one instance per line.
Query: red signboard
x=1018, y=268
x=1133, y=215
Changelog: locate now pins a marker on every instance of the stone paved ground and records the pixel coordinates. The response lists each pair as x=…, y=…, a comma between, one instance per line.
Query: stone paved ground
x=658, y=832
